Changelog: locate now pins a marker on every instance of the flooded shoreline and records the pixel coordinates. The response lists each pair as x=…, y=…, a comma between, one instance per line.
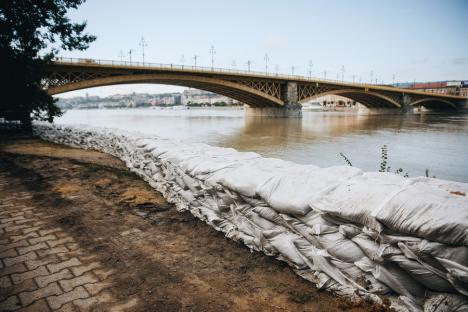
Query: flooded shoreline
x=415, y=142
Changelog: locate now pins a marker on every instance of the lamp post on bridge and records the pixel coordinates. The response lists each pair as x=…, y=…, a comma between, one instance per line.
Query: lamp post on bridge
x=310, y=68
x=324, y=75
x=292, y=70
x=266, y=58
x=212, y=51
x=342, y=73
x=195, y=57
x=393, y=79
x=248, y=65
x=276, y=69
x=143, y=45
x=354, y=78
x=182, y=61
x=233, y=64
x=130, y=54
x=371, y=75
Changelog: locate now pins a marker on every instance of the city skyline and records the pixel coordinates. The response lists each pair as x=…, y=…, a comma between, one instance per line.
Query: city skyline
x=327, y=36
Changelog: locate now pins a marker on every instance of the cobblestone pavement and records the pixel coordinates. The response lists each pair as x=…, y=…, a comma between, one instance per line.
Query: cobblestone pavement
x=43, y=268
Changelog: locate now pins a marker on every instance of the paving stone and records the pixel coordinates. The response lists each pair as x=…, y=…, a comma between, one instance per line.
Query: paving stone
x=24, y=250
x=77, y=271
x=16, y=228
x=96, y=288
x=8, y=253
x=124, y=306
x=16, y=238
x=27, y=285
x=89, y=304
x=20, y=243
x=103, y=273
x=43, y=281
x=25, y=220
x=51, y=251
x=49, y=231
x=11, y=303
x=31, y=229
x=42, y=239
x=32, y=264
x=29, y=297
x=6, y=220
x=68, y=285
x=55, y=302
x=29, y=256
x=16, y=268
x=62, y=241
x=5, y=225
x=19, y=277
x=38, y=306
x=5, y=282
x=62, y=265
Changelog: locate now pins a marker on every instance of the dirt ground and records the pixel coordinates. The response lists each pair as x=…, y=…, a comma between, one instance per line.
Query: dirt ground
x=166, y=260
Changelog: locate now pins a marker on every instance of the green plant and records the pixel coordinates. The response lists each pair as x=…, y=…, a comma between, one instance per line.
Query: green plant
x=346, y=159
x=384, y=167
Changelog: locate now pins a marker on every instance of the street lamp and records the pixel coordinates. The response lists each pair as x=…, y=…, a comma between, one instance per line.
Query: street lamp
x=248, y=65
x=233, y=64
x=266, y=58
x=342, y=72
x=143, y=45
x=130, y=54
x=393, y=79
x=310, y=68
x=182, y=61
x=195, y=57
x=292, y=70
x=276, y=69
x=371, y=75
x=212, y=52
x=324, y=75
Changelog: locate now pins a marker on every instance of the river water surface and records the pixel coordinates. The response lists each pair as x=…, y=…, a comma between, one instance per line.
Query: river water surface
x=415, y=142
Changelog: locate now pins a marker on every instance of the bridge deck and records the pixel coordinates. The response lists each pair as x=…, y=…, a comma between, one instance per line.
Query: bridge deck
x=214, y=71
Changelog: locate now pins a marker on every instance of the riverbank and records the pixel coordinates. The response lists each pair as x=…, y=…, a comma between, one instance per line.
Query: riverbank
x=135, y=251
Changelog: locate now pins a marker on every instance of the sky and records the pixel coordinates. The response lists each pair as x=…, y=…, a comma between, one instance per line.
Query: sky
x=422, y=40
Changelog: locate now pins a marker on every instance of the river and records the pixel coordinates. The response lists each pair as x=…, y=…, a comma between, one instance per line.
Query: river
x=415, y=142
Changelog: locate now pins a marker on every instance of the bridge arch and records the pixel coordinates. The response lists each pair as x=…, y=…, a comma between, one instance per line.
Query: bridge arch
x=367, y=98
x=432, y=103
x=234, y=90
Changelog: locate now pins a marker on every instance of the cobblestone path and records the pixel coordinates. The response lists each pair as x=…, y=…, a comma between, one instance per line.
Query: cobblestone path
x=41, y=267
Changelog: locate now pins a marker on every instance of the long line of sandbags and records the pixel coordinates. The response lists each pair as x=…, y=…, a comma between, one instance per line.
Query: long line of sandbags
x=364, y=235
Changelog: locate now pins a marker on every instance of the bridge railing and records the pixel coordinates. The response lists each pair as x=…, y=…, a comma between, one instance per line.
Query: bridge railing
x=151, y=65
x=205, y=69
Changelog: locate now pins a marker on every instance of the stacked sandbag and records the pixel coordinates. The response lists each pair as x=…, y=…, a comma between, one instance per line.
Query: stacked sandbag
x=361, y=235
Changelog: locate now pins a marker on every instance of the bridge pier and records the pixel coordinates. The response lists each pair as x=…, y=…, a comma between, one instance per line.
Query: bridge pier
x=291, y=108
x=286, y=111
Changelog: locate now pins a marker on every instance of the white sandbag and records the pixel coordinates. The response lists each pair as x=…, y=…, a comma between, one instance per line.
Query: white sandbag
x=428, y=212
x=437, y=302
x=357, y=198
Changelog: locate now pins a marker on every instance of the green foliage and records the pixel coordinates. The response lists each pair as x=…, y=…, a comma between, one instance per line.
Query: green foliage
x=384, y=167
x=346, y=159
x=29, y=28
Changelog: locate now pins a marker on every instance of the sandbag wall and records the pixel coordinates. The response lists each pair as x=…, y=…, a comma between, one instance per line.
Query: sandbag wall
x=362, y=235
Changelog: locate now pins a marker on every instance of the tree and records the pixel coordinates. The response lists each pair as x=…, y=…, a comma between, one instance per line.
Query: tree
x=29, y=28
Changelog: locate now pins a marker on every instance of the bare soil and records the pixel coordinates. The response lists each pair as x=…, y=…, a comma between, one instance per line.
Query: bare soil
x=169, y=260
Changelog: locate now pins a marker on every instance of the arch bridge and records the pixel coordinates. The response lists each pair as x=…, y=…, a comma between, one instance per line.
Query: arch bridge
x=280, y=93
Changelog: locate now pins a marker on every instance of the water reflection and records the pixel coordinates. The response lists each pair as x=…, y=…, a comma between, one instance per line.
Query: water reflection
x=415, y=142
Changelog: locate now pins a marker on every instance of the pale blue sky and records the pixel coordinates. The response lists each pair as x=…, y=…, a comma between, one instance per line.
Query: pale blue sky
x=413, y=39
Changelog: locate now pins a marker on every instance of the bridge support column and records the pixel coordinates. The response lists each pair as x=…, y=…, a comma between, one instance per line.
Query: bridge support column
x=291, y=108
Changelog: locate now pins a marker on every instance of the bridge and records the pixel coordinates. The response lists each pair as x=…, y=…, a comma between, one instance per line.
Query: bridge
x=265, y=93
